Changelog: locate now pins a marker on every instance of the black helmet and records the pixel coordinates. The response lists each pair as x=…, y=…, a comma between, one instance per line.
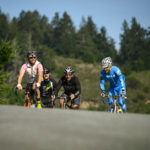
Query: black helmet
x=31, y=54
x=46, y=70
x=69, y=69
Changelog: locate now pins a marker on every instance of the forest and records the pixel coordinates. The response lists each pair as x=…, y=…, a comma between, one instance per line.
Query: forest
x=59, y=39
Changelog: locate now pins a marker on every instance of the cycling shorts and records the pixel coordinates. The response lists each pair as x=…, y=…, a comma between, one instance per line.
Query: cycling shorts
x=76, y=100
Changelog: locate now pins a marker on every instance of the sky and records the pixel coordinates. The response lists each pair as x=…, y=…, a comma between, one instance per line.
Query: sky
x=107, y=13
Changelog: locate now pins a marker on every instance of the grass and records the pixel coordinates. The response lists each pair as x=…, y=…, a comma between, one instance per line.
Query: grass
x=138, y=90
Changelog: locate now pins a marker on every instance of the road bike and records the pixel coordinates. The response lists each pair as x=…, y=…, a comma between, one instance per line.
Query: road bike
x=115, y=108
x=29, y=100
x=49, y=102
x=67, y=102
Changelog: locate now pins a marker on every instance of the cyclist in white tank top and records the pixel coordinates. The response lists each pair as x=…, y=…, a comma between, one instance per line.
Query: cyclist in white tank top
x=34, y=71
x=31, y=71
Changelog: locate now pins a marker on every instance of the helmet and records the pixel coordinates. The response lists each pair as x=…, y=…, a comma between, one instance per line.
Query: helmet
x=46, y=70
x=106, y=62
x=68, y=69
x=31, y=54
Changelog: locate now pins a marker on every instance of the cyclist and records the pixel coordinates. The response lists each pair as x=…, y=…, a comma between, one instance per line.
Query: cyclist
x=34, y=70
x=116, y=80
x=47, y=89
x=72, y=88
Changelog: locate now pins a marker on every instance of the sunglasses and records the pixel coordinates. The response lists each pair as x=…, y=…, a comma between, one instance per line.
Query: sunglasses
x=32, y=57
x=46, y=73
x=68, y=74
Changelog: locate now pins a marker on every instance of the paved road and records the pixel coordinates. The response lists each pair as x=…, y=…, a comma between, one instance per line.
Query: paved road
x=54, y=129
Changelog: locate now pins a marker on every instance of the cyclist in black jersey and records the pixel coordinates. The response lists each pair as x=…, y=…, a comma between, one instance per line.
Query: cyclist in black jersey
x=47, y=88
x=72, y=88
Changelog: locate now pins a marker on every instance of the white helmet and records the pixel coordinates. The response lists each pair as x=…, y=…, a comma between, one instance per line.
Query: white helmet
x=106, y=62
x=68, y=69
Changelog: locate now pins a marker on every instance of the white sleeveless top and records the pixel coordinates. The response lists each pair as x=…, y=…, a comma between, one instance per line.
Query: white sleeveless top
x=32, y=71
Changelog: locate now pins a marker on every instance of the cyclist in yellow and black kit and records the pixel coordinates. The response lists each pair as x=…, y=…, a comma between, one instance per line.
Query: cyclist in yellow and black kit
x=47, y=88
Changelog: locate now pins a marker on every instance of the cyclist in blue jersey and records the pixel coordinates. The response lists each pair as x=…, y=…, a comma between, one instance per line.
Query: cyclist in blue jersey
x=116, y=80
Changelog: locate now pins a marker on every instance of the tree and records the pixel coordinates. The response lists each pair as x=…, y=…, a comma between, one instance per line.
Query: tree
x=105, y=45
x=64, y=35
x=6, y=54
x=133, y=45
x=4, y=26
x=85, y=42
x=47, y=31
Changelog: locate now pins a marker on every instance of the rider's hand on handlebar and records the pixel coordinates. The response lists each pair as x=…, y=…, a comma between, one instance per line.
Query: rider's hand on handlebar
x=103, y=93
x=19, y=87
x=72, y=96
x=52, y=97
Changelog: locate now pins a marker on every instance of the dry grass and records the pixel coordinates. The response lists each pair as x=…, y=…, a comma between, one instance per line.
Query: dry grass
x=89, y=76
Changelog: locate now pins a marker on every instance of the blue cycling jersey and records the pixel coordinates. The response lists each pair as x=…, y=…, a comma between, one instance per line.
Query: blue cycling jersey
x=115, y=78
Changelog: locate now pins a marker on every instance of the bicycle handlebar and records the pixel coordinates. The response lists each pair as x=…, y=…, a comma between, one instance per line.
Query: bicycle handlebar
x=16, y=89
x=113, y=96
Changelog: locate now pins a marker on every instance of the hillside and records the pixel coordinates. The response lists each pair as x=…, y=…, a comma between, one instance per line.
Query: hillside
x=138, y=90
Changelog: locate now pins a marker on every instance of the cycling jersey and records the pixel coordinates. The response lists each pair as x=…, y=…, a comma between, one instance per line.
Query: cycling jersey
x=32, y=71
x=47, y=88
x=115, y=78
x=117, y=83
x=70, y=87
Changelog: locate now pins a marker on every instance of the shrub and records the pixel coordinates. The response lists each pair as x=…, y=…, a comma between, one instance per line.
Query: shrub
x=132, y=82
x=146, y=89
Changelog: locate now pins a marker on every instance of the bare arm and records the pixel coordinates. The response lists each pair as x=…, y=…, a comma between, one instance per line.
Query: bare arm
x=20, y=80
x=40, y=75
x=20, y=77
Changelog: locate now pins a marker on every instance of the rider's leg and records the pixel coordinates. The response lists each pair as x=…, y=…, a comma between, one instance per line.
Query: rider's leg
x=122, y=104
x=110, y=99
x=121, y=101
x=76, y=103
x=61, y=102
x=38, y=98
x=74, y=106
x=63, y=97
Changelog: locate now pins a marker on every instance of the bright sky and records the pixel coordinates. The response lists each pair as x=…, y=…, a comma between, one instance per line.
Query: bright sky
x=108, y=13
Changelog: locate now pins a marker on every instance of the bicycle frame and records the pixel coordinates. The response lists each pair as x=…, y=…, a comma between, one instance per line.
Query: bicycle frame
x=27, y=99
x=115, y=108
x=66, y=104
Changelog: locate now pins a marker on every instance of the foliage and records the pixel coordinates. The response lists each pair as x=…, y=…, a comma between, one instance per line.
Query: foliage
x=4, y=26
x=6, y=54
x=47, y=56
x=83, y=49
x=132, y=82
x=135, y=49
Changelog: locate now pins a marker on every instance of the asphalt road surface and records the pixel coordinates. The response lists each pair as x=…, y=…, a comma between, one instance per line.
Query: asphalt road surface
x=54, y=129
